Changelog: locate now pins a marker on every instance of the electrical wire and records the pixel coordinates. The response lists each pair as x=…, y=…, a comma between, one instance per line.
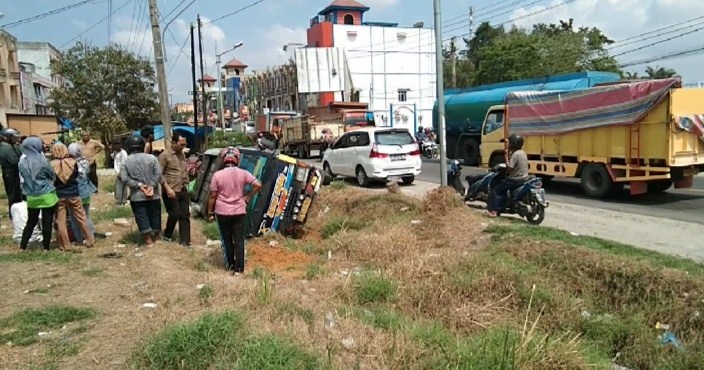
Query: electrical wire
x=234, y=12
x=647, y=35
x=46, y=14
x=183, y=46
x=671, y=55
x=96, y=24
x=659, y=42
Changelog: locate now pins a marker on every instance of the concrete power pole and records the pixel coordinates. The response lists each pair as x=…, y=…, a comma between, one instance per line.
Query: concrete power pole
x=204, y=98
x=160, y=70
x=440, y=93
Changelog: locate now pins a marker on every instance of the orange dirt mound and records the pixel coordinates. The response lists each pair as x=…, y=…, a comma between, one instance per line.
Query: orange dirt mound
x=277, y=260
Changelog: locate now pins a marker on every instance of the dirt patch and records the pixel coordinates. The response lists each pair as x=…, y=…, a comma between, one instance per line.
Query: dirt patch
x=279, y=261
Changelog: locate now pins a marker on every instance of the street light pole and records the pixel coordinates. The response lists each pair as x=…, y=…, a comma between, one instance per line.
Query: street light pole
x=221, y=109
x=440, y=93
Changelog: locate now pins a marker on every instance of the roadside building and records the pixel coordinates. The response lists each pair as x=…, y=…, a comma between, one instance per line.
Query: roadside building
x=10, y=87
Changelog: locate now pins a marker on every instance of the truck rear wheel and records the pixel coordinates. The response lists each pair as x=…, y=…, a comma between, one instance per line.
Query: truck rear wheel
x=596, y=181
x=469, y=150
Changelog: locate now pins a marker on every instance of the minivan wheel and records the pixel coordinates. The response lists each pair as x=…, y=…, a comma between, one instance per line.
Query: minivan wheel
x=328, y=170
x=362, y=179
x=408, y=180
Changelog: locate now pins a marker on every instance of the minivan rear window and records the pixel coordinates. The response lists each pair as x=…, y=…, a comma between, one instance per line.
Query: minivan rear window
x=395, y=137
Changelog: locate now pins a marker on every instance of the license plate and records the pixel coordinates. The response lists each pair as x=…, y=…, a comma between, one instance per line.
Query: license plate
x=398, y=157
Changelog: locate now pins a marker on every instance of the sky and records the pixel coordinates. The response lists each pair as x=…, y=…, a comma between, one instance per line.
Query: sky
x=266, y=26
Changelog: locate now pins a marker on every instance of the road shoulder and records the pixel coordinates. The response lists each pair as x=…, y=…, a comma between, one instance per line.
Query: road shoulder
x=653, y=233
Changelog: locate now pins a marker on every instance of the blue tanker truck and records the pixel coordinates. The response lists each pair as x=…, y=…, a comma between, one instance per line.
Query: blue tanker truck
x=465, y=109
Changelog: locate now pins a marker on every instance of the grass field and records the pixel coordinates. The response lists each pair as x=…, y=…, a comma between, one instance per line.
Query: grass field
x=378, y=281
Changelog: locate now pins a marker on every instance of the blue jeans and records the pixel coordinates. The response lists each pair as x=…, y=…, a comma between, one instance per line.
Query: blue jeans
x=74, y=224
x=147, y=215
x=499, y=193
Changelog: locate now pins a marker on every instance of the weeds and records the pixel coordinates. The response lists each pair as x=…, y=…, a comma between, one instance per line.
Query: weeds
x=205, y=293
x=210, y=230
x=112, y=213
x=340, y=224
x=22, y=327
x=370, y=288
x=38, y=256
x=219, y=341
x=314, y=271
x=132, y=237
x=338, y=185
x=265, y=288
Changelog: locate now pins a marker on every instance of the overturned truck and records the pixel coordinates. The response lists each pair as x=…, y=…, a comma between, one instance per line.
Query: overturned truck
x=288, y=190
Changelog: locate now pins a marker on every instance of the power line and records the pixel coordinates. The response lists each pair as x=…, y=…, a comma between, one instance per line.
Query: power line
x=132, y=21
x=183, y=46
x=46, y=14
x=179, y=13
x=659, y=42
x=96, y=24
x=646, y=35
x=671, y=55
x=662, y=28
x=173, y=10
x=234, y=12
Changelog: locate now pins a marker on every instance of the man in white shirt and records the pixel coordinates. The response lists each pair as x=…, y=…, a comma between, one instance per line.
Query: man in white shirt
x=118, y=156
x=19, y=220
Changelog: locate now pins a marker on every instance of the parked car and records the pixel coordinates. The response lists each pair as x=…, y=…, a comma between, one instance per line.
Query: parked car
x=374, y=154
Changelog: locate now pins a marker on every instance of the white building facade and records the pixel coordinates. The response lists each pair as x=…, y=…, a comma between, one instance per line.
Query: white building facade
x=392, y=69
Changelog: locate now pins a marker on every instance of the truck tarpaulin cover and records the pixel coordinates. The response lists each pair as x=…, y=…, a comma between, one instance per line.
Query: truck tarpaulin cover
x=555, y=112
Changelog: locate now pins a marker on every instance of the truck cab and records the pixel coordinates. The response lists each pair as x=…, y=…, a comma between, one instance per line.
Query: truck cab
x=355, y=118
x=492, y=150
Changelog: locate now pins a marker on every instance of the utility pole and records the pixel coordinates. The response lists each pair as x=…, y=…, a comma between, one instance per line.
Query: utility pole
x=471, y=22
x=204, y=107
x=195, y=86
x=160, y=70
x=453, y=59
x=440, y=93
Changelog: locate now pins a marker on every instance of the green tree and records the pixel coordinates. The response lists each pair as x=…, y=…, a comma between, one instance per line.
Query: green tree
x=547, y=49
x=110, y=89
x=658, y=72
x=463, y=70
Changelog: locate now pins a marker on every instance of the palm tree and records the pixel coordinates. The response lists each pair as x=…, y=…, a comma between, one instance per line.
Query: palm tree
x=660, y=72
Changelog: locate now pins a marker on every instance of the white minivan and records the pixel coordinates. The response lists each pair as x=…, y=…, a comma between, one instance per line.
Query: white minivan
x=374, y=154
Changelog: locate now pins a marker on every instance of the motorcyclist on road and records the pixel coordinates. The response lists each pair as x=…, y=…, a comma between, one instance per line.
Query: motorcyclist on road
x=517, y=173
x=429, y=135
x=420, y=136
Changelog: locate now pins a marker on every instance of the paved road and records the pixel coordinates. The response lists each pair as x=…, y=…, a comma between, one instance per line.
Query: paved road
x=676, y=204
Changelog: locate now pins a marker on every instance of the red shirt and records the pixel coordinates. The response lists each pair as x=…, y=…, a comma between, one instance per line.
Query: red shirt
x=229, y=184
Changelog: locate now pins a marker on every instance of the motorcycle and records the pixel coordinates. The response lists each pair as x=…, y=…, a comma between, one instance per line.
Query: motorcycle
x=429, y=149
x=527, y=200
x=453, y=176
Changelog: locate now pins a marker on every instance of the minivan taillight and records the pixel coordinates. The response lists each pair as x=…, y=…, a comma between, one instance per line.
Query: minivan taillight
x=375, y=153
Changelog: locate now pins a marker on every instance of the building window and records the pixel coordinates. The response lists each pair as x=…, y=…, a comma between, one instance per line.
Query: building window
x=402, y=95
x=349, y=19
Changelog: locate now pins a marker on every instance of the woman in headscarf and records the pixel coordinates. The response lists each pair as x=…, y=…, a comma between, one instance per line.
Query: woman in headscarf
x=66, y=170
x=85, y=189
x=38, y=186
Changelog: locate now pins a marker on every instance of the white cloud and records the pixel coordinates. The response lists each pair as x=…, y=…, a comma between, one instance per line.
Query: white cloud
x=621, y=19
x=379, y=3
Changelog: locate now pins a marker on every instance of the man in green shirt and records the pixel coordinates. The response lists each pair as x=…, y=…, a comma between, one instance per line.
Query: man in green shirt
x=10, y=154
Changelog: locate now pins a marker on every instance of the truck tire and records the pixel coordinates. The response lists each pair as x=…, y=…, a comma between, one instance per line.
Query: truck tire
x=496, y=159
x=657, y=187
x=596, y=181
x=469, y=151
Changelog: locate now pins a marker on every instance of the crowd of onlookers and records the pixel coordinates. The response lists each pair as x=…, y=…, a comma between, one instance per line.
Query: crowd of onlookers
x=49, y=188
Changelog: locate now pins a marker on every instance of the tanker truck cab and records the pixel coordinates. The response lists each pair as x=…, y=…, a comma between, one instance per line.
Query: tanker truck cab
x=491, y=150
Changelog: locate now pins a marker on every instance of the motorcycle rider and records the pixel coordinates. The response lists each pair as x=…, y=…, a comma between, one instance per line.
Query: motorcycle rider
x=517, y=173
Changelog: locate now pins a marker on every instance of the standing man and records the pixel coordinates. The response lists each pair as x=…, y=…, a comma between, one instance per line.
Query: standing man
x=174, y=186
x=118, y=158
x=9, y=158
x=142, y=173
x=227, y=202
x=90, y=149
x=147, y=133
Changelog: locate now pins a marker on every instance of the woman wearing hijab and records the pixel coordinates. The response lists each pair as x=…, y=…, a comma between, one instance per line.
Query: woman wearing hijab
x=67, y=174
x=85, y=189
x=38, y=186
